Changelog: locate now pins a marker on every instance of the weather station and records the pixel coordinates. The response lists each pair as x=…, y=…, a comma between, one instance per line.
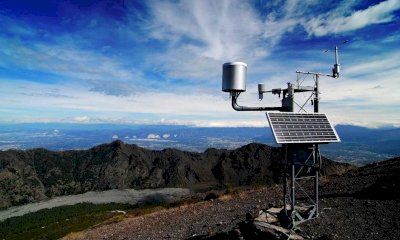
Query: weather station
x=299, y=134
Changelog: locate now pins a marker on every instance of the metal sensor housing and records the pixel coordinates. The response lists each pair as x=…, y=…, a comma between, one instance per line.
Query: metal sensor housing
x=234, y=77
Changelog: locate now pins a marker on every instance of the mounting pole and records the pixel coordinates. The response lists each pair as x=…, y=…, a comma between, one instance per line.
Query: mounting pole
x=316, y=97
x=316, y=153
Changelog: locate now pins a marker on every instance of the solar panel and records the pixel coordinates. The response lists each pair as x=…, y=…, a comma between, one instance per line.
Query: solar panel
x=289, y=127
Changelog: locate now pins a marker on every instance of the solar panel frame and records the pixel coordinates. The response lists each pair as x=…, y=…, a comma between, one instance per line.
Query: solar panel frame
x=289, y=127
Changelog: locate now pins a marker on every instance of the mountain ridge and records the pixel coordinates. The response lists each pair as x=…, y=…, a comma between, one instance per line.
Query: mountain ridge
x=39, y=174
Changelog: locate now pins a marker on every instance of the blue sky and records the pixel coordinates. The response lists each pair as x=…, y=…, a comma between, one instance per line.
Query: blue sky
x=160, y=62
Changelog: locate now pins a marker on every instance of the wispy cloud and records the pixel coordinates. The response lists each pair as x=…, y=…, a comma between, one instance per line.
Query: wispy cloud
x=377, y=64
x=103, y=73
x=202, y=34
x=338, y=21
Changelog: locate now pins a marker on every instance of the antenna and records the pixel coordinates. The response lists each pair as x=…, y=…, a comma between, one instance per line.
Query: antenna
x=336, y=66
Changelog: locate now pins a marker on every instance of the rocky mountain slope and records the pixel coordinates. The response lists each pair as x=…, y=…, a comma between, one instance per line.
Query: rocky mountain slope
x=360, y=204
x=38, y=174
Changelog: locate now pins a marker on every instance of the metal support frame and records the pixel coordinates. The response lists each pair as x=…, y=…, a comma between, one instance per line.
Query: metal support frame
x=301, y=179
x=303, y=200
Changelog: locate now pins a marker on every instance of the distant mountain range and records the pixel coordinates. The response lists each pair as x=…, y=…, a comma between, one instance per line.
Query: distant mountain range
x=359, y=145
x=37, y=174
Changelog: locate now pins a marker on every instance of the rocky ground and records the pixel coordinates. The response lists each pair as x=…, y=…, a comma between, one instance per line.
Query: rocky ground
x=354, y=218
x=360, y=204
x=205, y=218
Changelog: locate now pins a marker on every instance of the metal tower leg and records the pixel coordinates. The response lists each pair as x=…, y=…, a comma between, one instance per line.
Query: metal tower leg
x=317, y=162
x=303, y=201
x=293, y=193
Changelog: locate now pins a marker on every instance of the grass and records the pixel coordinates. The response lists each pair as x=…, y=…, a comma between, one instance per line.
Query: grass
x=57, y=222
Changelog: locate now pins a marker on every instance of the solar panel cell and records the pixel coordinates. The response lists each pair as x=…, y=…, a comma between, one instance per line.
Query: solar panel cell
x=301, y=128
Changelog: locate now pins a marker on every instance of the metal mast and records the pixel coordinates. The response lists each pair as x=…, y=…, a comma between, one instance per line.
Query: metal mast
x=301, y=170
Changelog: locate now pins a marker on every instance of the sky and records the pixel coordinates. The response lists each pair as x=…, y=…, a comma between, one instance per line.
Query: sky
x=160, y=62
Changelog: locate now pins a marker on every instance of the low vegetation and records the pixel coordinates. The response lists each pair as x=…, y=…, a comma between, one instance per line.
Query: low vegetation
x=57, y=222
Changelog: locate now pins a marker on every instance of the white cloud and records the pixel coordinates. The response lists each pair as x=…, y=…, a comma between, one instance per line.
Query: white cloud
x=208, y=110
x=334, y=22
x=153, y=136
x=81, y=119
x=376, y=64
x=166, y=135
x=218, y=29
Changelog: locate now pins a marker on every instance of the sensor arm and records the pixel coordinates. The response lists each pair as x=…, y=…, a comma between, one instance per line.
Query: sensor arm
x=244, y=108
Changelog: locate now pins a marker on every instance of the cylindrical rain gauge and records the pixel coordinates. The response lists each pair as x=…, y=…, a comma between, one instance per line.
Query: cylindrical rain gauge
x=234, y=77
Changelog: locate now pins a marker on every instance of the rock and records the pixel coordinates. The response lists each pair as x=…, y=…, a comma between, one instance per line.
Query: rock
x=267, y=217
x=275, y=232
x=210, y=196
